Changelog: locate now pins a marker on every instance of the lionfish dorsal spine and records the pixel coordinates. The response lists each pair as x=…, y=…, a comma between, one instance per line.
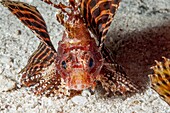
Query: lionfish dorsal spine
x=98, y=14
x=30, y=17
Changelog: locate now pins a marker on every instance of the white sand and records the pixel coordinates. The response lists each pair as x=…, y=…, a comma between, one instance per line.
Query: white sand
x=15, y=49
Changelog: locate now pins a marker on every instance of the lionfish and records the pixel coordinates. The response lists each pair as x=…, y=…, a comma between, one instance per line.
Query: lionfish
x=160, y=80
x=80, y=62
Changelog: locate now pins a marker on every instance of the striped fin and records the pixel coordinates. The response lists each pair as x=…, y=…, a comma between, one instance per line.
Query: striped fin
x=40, y=74
x=114, y=80
x=160, y=80
x=31, y=17
x=41, y=59
x=98, y=15
x=47, y=83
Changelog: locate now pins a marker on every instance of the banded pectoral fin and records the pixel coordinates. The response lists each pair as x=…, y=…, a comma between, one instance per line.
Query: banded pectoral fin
x=40, y=74
x=160, y=80
x=31, y=17
x=40, y=59
x=40, y=66
x=115, y=81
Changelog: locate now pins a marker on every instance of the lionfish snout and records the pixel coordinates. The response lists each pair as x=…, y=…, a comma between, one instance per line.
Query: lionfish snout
x=79, y=79
x=79, y=63
x=79, y=69
x=76, y=72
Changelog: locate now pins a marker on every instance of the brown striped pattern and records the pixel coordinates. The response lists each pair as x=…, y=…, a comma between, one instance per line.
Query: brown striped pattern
x=31, y=17
x=98, y=15
x=41, y=59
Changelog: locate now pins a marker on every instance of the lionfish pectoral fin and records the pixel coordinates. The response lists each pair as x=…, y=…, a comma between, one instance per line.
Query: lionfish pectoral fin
x=39, y=60
x=160, y=80
x=114, y=80
x=41, y=76
x=31, y=18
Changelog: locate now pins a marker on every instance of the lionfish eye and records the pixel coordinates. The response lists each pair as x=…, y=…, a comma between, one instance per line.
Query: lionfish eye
x=91, y=62
x=64, y=65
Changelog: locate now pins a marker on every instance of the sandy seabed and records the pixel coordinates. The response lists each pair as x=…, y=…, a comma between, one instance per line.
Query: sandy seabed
x=139, y=34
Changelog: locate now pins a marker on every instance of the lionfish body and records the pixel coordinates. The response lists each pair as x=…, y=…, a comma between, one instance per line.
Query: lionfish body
x=160, y=80
x=79, y=60
x=78, y=63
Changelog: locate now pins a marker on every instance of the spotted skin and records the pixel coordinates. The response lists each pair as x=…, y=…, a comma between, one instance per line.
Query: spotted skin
x=160, y=80
x=78, y=63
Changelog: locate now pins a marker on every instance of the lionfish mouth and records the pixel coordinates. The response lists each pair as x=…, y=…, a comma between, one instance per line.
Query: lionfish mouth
x=80, y=81
x=79, y=86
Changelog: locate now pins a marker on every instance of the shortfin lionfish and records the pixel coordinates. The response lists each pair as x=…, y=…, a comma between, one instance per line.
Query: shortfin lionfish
x=160, y=80
x=79, y=62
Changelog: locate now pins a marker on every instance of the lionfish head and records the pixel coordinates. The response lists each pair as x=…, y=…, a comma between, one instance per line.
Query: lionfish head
x=79, y=65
